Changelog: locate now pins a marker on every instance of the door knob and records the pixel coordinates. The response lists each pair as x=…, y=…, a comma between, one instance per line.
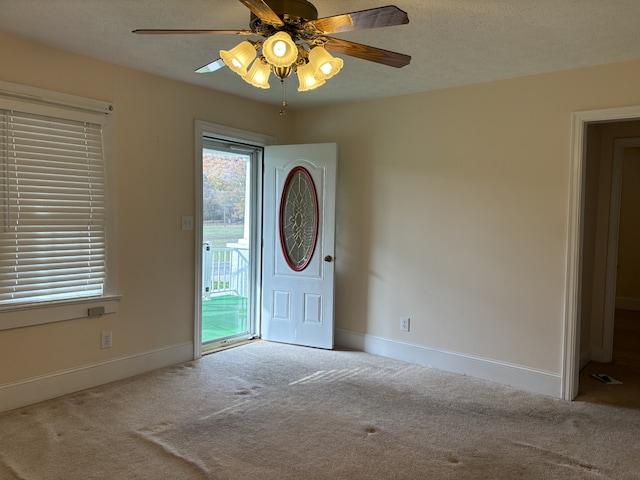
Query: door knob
x=328, y=258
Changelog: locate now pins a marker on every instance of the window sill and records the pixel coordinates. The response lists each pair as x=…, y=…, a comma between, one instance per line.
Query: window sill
x=19, y=316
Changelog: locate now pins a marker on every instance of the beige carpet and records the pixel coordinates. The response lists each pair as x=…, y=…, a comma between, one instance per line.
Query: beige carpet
x=269, y=411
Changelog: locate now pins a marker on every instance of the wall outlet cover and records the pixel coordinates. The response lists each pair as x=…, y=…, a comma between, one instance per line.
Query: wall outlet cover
x=405, y=324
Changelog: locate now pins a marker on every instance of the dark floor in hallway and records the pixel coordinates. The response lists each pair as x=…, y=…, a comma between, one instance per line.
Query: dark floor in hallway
x=625, y=366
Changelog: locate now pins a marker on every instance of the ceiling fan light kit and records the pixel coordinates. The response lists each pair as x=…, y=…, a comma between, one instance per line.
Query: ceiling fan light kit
x=295, y=41
x=326, y=65
x=280, y=50
x=258, y=74
x=240, y=57
x=308, y=78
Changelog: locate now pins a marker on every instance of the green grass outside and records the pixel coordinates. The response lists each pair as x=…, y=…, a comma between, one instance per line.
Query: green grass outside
x=223, y=316
x=219, y=235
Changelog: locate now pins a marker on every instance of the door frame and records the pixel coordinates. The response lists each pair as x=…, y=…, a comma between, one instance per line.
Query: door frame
x=223, y=132
x=573, y=286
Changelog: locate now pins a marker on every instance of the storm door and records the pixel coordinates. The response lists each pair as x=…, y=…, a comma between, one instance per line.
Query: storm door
x=229, y=267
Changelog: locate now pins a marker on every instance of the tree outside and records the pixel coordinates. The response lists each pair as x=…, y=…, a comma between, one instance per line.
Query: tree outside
x=224, y=187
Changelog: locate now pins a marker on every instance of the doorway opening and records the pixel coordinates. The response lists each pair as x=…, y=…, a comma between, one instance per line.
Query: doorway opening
x=241, y=294
x=611, y=265
x=227, y=270
x=228, y=229
x=600, y=139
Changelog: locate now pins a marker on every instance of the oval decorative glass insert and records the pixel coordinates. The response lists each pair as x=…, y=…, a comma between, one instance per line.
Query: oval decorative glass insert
x=298, y=219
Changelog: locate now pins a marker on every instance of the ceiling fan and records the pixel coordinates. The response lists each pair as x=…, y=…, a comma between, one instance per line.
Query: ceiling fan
x=295, y=41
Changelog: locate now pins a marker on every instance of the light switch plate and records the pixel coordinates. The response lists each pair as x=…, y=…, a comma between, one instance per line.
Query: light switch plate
x=187, y=222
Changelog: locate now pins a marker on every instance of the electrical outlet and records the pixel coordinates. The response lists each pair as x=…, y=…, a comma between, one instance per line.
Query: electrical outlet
x=404, y=324
x=106, y=339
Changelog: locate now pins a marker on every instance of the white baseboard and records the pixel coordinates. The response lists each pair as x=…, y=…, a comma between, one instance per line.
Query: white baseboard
x=523, y=378
x=627, y=303
x=36, y=389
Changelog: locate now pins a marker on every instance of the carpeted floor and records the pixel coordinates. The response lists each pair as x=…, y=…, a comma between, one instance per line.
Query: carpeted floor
x=270, y=411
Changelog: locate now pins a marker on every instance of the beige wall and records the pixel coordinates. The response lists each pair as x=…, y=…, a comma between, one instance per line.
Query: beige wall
x=451, y=208
x=154, y=187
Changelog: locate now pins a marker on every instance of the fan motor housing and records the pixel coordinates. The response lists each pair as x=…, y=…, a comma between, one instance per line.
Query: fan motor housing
x=299, y=9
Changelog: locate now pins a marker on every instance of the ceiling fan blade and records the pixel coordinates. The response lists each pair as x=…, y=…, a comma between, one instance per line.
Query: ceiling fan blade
x=263, y=11
x=373, y=18
x=211, y=66
x=366, y=52
x=159, y=31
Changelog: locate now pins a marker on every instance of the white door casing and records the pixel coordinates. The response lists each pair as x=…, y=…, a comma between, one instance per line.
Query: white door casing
x=297, y=286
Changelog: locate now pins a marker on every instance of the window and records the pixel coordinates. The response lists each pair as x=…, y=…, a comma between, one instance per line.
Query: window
x=52, y=199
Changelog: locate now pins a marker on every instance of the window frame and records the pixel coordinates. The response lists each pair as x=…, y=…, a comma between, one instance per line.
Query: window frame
x=65, y=105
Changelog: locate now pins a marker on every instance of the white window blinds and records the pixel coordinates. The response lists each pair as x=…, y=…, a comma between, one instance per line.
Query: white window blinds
x=52, y=196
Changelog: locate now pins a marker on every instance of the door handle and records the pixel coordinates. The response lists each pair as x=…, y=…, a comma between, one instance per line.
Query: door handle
x=328, y=258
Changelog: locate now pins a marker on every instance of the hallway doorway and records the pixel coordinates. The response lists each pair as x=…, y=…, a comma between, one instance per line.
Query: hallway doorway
x=593, y=254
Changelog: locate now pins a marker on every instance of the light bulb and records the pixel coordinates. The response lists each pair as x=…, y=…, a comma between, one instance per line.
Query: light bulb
x=280, y=50
x=308, y=79
x=258, y=74
x=326, y=65
x=239, y=57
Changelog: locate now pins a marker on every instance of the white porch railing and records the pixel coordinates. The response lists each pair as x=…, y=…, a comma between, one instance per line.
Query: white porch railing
x=224, y=271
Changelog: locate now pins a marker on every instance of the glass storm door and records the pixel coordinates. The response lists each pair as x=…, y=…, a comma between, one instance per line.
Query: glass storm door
x=299, y=231
x=228, y=266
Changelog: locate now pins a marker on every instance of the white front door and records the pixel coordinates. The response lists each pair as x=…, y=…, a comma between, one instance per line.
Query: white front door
x=299, y=237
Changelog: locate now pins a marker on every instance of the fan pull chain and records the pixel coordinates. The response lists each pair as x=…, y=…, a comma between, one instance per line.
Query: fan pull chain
x=285, y=104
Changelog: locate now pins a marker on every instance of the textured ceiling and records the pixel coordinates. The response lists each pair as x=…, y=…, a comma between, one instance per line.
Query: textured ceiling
x=452, y=42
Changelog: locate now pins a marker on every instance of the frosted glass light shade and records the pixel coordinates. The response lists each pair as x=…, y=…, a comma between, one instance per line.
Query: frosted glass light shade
x=239, y=57
x=280, y=50
x=308, y=78
x=325, y=64
x=258, y=74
